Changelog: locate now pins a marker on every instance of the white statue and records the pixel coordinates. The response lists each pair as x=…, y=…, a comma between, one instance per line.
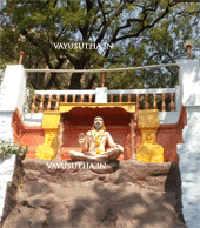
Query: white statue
x=93, y=144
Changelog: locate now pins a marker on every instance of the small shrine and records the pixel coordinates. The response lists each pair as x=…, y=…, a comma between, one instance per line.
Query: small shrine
x=62, y=127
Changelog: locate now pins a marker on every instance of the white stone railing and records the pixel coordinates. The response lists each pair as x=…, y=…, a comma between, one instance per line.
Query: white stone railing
x=49, y=99
x=44, y=99
x=139, y=96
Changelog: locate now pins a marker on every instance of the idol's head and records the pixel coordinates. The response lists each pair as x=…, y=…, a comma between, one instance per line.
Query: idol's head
x=98, y=122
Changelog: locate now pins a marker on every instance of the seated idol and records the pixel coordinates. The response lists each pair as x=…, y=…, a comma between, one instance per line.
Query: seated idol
x=93, y=144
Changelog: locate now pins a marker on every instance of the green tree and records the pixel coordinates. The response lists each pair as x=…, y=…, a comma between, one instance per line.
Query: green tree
x=133, y=26
x=163, y=43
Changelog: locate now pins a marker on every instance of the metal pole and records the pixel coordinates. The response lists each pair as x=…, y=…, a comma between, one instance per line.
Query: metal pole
x=20, y=58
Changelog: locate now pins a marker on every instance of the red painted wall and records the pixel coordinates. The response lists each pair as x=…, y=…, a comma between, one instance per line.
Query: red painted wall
x=117, y=124
x=30, y=136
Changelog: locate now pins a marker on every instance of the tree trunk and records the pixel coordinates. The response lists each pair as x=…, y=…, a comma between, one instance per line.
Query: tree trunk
x=90, y=82
x=75, y=81
x=52, y=80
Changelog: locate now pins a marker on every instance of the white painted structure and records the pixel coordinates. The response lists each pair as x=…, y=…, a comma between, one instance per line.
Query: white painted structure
x=6, y=174
x=13, y=94
x=189, y=151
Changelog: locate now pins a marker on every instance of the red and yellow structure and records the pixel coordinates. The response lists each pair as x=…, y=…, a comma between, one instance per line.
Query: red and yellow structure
x=51, y=124
x=50, y=147
x=149, y=150
x=72, y=119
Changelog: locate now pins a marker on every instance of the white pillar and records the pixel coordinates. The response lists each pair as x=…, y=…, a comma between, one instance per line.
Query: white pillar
x=101, y=95
x=189, y=151
x=12, y=96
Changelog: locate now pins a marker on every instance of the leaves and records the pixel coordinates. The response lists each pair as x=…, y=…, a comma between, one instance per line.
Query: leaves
x=6, y=148
x=143, y=33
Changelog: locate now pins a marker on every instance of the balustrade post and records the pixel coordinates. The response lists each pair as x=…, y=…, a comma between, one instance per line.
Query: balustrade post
x=154, y=101
x=146, y=101
x=137, y=107
x=163, y=102
x=90, y=98
x=33, y=104
x=49, y=102
x=62, y=128
x=82, y=97
x=172, y=102
x=111, y=97
x=120, y=98
x=74, y=97
x=129, y=97
x=41, y=103
x=57, y=102
x=137, y=102
x=66, y=96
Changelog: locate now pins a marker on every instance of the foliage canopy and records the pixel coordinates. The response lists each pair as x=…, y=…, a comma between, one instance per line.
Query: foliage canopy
x=142, y=32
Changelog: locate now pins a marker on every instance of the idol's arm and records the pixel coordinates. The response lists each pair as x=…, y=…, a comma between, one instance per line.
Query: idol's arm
x=111, y=143
x=84, y=143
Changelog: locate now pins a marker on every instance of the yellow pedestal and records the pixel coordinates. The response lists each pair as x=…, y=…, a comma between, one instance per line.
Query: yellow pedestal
x=49, y=148
x=149, y=150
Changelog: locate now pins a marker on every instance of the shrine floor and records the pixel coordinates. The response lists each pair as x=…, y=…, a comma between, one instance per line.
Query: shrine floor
x=135, y=195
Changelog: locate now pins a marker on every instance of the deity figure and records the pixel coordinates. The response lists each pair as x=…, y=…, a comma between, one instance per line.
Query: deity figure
x=93, y=144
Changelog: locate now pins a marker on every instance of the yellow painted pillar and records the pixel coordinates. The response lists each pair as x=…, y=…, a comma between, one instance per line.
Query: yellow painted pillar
x=50, y=123
x=149, y=150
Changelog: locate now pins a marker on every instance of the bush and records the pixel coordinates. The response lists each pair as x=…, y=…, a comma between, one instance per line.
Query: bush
x=8, y=148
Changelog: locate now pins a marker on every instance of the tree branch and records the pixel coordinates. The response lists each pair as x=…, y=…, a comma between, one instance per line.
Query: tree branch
x=107, y=24
x=142, y=28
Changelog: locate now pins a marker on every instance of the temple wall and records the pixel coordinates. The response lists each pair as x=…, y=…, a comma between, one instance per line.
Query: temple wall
x=168, y=136
x=189, y=150
x=25, y=135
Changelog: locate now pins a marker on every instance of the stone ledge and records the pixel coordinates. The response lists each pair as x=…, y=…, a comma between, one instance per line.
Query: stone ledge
x=63, y=195
x=152, y=175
